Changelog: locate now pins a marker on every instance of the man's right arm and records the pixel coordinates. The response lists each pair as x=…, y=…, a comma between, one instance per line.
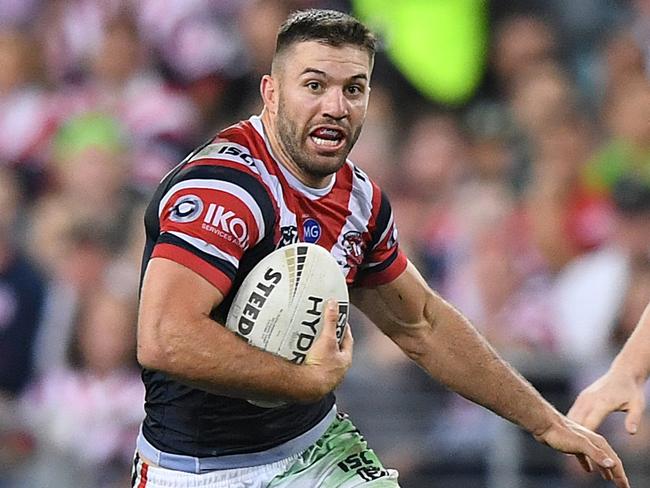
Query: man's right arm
x=177, y=336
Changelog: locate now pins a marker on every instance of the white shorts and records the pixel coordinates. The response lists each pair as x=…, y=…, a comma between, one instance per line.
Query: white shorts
x=150, y=476
x=340, y=458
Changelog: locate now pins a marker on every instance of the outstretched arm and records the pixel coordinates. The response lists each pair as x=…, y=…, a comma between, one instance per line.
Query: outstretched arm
x=622, y=387
x=438, y=338
x=177, y=336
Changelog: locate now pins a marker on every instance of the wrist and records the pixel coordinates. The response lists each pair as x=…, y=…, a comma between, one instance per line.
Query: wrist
x=547, y=422
x=309, y=383
x=555, y=424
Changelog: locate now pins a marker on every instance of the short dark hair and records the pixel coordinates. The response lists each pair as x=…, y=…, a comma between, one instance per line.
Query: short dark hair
x=329, y=27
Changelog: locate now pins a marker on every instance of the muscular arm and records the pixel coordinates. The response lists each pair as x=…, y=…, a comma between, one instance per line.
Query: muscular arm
x=439, y=339
x=176, y=336
x=622, y=387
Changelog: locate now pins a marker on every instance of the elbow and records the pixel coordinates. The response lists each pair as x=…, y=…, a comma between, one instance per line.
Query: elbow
x=151, y=357
x=151, y=350
x=413, y=341
x=415, y=338
x=147, y=358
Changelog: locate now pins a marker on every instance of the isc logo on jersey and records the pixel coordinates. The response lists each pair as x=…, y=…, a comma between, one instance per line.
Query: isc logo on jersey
x=218, y=219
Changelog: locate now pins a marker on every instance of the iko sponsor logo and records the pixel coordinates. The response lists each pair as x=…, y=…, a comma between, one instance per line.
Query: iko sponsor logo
x=311, y=230
x=225, y=224
x=186, y=209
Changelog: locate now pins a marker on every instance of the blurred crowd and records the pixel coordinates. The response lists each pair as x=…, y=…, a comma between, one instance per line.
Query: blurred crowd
x=528, y=207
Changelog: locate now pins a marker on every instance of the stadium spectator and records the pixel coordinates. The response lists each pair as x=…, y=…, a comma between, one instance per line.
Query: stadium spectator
x=84, y=416
x=22, y=297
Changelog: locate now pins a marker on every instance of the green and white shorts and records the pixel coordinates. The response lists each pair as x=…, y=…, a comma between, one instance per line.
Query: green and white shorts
x=340, y=458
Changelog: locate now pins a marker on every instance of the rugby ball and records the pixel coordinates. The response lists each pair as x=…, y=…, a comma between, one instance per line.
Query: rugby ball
x=279, y=306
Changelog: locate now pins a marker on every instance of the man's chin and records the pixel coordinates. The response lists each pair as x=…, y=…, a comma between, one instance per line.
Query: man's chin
x=327, y=164
x=319, y=163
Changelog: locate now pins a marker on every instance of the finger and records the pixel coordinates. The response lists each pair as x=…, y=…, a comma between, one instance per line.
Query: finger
x=606, y=474
x=602, y=456
x=326, y=341
x=330, y=317
x=633, y=418
x=618, y=476
x=610, y=466
x=615, y=473
x=585, y=462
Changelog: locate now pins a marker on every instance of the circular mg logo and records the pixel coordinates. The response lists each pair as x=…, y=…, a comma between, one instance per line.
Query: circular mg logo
x=187, y=208
x=311, y=230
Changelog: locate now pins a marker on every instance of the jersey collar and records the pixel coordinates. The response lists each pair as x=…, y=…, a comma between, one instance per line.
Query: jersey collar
x=295, y=183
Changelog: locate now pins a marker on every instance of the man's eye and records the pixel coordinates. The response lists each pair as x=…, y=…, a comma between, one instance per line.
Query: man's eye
x=314, y=85
x=355, y=90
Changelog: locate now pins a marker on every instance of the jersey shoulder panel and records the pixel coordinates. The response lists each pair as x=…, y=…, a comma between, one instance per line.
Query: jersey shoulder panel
x=210, y=213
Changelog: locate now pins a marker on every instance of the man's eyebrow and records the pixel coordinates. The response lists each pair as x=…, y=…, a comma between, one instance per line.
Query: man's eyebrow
x=362, y=76
x=322, y=73
x=313, y=71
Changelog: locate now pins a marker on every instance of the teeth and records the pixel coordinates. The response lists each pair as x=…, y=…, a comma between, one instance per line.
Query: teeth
x=324, y=142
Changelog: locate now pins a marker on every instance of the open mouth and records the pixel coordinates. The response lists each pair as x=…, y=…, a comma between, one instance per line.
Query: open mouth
x=327, y=137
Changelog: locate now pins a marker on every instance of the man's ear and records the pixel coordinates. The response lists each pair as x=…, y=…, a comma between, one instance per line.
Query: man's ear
x=268, y=90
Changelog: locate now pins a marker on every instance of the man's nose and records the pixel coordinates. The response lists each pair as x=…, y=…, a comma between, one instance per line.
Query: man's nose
x=335, y=105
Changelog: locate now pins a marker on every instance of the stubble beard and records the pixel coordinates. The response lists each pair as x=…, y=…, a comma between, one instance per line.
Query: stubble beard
x=291, y=139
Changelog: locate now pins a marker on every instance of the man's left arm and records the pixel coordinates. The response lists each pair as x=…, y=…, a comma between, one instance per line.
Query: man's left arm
x=443, y=342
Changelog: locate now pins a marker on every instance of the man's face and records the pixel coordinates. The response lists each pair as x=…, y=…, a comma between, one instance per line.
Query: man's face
x=322, y=102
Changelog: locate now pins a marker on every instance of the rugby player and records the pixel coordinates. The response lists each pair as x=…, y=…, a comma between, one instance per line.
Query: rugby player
x=265, y=182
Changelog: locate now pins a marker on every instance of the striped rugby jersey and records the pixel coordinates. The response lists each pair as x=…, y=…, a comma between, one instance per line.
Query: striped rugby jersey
x=219, y=212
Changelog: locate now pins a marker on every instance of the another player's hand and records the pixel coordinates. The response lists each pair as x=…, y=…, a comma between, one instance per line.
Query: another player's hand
x=613, y=392
x=569, y=437
x=328, y=361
